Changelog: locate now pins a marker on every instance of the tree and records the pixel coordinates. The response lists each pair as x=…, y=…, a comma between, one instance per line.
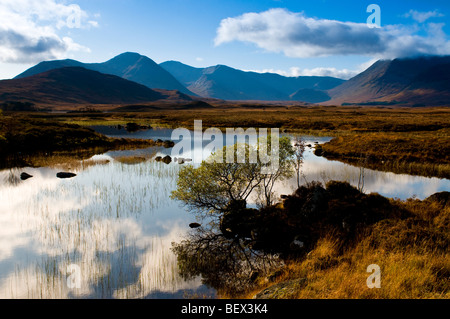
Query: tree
x=299, y=150
x=212, y=186
x=282, y=170
x=215, y=184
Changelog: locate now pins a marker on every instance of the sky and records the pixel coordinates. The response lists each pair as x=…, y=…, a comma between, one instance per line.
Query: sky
x=293, y=38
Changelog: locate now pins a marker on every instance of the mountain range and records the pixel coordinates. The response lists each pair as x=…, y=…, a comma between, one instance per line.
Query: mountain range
x=132, y=78
x=130, y=66
x=223, y=82
x=77, y=85
x=218, y=82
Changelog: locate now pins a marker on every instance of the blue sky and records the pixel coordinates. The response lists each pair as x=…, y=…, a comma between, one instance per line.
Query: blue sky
x=298, y=37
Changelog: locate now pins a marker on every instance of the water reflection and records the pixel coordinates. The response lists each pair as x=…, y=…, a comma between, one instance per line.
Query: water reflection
x=117, y=222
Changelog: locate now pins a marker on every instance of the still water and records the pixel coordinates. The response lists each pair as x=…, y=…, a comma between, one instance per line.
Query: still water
x=107, y=233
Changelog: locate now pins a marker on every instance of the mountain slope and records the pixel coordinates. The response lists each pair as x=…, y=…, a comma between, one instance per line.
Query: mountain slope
x=226, y=83
x=413, y=81
x=223, y=82
x=185, y=74
x=130, y=66
x=75, y=85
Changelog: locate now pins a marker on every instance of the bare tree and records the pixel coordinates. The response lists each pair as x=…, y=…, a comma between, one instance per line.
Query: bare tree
x=299, y=150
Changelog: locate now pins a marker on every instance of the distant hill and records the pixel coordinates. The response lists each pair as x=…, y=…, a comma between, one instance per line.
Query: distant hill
x=75, y=85
x=423, y=81
x=223, y=82
x=130, y=66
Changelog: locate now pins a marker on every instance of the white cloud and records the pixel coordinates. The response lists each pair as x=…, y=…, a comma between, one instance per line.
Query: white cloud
x=422, y=16
x=30, y=31
x=295, y=35
x=321, y=71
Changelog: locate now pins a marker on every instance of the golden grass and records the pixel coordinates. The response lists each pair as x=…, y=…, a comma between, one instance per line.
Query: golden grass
x=402, y=140
x=412, y=254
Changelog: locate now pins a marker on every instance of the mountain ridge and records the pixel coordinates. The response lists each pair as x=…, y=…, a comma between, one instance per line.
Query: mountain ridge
x=223, y=82
x=129, y=65
x=398, y=81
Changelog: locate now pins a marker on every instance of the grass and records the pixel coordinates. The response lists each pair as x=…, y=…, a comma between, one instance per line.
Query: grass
x=412, y=252
x=26, y=140
x=401, y=140
x=414, y=153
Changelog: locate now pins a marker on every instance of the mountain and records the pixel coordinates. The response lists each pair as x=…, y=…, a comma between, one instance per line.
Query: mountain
x=75, y=85
x=223, y=82
x=411, y=81
x=130, y=66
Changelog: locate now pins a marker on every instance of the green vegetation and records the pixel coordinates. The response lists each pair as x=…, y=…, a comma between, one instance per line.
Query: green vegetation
x=218, y=182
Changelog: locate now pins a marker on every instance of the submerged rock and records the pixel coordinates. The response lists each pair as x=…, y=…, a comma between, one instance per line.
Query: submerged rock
x=64, y=175
x=194, y=225
x=24, y=176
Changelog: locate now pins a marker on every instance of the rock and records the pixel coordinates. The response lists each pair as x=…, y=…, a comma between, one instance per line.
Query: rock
x=194, y=225
x=167, y=159
x=133, y=127
x=318, y=151
x=181, y=161
x=158, y=158
x=168, y=144
x=284, y=196
x=24, y=176
x=64, y=175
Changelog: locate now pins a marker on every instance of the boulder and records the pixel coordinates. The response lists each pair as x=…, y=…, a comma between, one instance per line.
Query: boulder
x=168, y=144
x=133, y=127
x=24, y=176
x=64, y=175
x=167, y=159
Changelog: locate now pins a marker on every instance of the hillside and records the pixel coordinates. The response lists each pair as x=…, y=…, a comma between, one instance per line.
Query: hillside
x=75, y=85
x=412, y=81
